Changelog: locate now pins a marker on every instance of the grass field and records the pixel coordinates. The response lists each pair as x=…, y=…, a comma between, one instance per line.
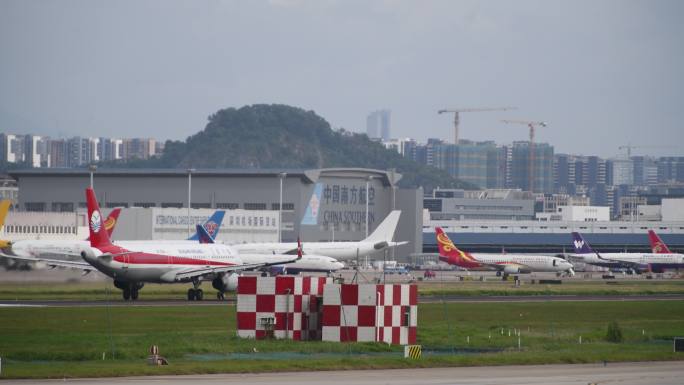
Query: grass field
x=96, y=291
x=70, y=342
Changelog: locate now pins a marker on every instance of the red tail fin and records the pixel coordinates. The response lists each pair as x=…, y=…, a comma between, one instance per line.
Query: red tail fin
x=657, y=245
x=449, y=253
x=98, y=234
x=110, y=222
x=299, y=249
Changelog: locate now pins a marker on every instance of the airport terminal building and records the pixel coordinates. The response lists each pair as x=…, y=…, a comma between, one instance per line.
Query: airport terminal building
x=318, y=204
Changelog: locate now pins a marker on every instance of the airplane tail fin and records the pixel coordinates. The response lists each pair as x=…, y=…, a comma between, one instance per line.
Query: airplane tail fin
x=4, y=208
x=448, y=252
x=110, y=222
x=203, y=235
x=385, y=230
x=581, y=246
x=99, y=237
x=657, y=244
x=212, y=225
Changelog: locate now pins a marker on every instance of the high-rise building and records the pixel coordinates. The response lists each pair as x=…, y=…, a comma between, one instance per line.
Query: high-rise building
x=138, y=148
x=670, y=169
x=519, y=170
x=564, y=174
x=620, y=171
x=59, y=151
x=645, y=170
x=79, y=151
x=472, y=162
x=595, y=171
x=378, y=124
x=12, y=148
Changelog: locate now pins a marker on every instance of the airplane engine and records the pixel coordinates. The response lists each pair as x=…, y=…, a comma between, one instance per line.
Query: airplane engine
x=515, y=270
x=227, y=282
x=90, y=253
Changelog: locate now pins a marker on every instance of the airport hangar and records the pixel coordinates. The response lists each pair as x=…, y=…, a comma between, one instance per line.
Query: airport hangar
x=318, y=204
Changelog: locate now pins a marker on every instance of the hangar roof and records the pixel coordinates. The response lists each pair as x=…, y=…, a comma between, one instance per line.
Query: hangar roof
x=388, y=178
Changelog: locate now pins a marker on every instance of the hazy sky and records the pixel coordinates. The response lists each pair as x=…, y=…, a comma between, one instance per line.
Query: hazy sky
x=602, y=73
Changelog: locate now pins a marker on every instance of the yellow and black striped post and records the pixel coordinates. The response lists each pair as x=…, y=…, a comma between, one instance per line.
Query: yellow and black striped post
x=412, y=351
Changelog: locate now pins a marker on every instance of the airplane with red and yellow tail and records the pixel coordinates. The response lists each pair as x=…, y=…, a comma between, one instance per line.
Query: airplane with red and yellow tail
x=503, y=264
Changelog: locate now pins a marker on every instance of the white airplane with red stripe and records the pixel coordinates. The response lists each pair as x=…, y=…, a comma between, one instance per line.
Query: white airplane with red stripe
x=133, y=264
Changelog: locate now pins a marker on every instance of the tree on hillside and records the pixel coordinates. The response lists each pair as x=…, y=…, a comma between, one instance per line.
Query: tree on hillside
x=280, y=136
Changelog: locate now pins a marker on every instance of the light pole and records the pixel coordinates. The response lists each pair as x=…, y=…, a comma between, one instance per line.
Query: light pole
x=92, y=168
x=190, y=171
x=394, y=203
x=281, y=176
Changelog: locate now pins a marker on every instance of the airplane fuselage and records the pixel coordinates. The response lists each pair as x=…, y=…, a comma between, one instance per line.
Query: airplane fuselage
x=337, y=250
x=656, y=261
x=72, y=249
x=535, y=263
x=158, y=263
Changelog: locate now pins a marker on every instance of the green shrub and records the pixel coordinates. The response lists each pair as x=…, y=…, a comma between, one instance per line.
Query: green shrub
x=614, y=333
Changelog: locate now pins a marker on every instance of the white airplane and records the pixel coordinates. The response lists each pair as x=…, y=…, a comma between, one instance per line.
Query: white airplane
x=307, y=262
x=71, y=249
x=636, y=262
x=376, y=242
x=503, y=263
x=58, y=248
x=154, y=262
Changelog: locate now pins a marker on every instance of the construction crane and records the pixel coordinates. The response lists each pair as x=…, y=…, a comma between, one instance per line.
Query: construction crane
x=531, y=124
x=457, y=111
x=629, y=148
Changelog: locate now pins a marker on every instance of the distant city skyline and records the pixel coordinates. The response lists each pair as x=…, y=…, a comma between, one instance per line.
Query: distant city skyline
x=602, y=74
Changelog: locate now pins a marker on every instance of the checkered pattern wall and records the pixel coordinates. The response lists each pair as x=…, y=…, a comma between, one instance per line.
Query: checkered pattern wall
x=387, y=313
x=281, y=307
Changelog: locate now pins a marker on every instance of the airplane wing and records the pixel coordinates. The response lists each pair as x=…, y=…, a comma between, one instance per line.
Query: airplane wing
x=53, y=262
x=212, y=270
x=624, y=263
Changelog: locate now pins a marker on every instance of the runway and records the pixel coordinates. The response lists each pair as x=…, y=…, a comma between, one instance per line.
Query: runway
x=422, y=299
x=654, y=373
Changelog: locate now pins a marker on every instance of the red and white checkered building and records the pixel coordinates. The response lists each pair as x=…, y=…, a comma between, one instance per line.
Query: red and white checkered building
x=380, y=313
x=282, y=307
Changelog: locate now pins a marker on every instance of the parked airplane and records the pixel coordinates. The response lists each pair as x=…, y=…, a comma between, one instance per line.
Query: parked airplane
x=376, y=242
x=636, y=262
x=504, y=264
x=308, y=262
x=155, y=262
x=71, y=249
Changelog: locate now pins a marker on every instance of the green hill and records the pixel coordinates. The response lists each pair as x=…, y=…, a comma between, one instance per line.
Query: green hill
x=279, y=136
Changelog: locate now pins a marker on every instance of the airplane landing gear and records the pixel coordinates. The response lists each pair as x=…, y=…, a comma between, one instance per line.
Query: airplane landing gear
x=129, y=290
x=195, y=293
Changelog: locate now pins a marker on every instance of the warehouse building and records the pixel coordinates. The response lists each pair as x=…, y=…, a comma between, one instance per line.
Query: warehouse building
x=317, y=205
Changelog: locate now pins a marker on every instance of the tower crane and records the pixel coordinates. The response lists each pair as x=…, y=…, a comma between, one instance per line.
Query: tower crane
x=531, y=157
x=629, y=148
x=457, y=111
